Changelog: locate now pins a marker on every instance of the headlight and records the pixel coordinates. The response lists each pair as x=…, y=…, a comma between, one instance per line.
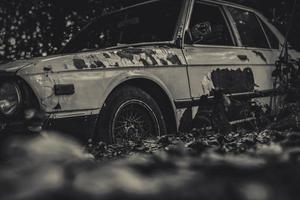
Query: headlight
x=10, y=98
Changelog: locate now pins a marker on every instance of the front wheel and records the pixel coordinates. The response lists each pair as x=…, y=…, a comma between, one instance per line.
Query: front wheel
x=130, y=114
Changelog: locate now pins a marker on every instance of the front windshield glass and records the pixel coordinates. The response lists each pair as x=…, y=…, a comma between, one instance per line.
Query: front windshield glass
x=152, y=22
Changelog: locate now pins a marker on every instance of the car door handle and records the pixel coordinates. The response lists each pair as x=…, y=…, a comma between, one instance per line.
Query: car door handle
x=243, y=57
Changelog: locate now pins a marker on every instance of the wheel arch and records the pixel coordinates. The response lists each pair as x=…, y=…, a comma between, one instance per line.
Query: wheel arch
x=156, y=89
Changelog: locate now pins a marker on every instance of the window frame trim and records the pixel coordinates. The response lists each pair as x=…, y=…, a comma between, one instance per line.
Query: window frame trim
x=233, y=25
x=238, y=33
x=227, y=22
x=176, y=30
x=179, y=23
x=262, y=27
x=263, y=24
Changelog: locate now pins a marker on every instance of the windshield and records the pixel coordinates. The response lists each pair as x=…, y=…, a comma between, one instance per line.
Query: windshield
x=151, y=22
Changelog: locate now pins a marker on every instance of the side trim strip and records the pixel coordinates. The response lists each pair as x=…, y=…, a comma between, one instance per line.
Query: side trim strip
x=233, y=65
x=69, y=114
x=208, y=99
x=124, y=68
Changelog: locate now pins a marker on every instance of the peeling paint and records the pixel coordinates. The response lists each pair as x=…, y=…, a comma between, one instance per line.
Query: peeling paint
x=261, y=55
x=149, y=57
x=48, y=68
x=106, y=55
x=90, y=61
x=129, y=57
x=145, y=63
x=79, y=63
x=97, y=64
x=163, y=62
x=233, y=81
x=207, y=84
x=124, y=54
x=174, y=59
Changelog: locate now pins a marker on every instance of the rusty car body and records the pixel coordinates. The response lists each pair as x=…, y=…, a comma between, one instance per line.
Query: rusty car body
x=165, y=66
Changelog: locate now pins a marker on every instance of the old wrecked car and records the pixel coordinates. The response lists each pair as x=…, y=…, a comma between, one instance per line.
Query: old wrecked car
x=150, y=69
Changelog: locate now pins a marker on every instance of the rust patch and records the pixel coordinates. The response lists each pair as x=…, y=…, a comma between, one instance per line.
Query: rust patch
x=124, y=54
x=88, y=62
x=131, y=53
x=261, y=55
x=97, y=64
x=207, y=84
x=79, y=63
x=233, y=81
x=106, y=55
x=149, y=57
x=128, y=57
x=145, y=62
x=163, y=62
x=174, y=59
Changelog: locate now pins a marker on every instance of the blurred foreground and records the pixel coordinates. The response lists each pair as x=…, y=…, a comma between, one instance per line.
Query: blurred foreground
x=250, y=165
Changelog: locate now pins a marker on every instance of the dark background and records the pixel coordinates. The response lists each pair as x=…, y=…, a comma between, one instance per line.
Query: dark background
x=41, y=27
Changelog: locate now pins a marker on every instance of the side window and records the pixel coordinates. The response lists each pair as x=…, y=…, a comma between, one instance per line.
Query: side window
x=249, y=28
x=274, y=42
x=208, y=26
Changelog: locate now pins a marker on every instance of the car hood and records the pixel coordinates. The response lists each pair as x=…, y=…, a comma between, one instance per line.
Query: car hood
x=21, y=65
x=15, y=66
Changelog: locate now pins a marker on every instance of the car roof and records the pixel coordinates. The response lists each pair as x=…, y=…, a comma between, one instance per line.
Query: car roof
x=227, y=3
x=219, y=2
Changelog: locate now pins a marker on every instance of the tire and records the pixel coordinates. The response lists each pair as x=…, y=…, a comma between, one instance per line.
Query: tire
x=130, y=114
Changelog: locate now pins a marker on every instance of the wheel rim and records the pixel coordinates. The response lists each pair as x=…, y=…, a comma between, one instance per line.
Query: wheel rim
x=134, y=121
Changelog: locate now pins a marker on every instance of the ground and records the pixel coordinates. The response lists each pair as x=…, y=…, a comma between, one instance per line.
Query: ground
x=247, y=163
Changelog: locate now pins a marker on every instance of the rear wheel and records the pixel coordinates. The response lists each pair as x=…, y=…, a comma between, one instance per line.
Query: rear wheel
x=130, y=114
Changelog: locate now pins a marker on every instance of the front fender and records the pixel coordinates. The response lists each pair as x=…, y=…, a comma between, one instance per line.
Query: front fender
x=131, y=75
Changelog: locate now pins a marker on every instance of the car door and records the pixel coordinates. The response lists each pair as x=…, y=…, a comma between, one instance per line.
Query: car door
x=214, y=56
x=262, y=50
x=226, y=49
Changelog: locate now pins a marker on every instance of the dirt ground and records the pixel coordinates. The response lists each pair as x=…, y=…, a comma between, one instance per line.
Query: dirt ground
x=247, y=163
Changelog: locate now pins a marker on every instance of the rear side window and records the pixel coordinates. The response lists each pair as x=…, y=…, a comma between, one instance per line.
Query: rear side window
x=208, y=26
x=249, y=28
x=274, y=42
